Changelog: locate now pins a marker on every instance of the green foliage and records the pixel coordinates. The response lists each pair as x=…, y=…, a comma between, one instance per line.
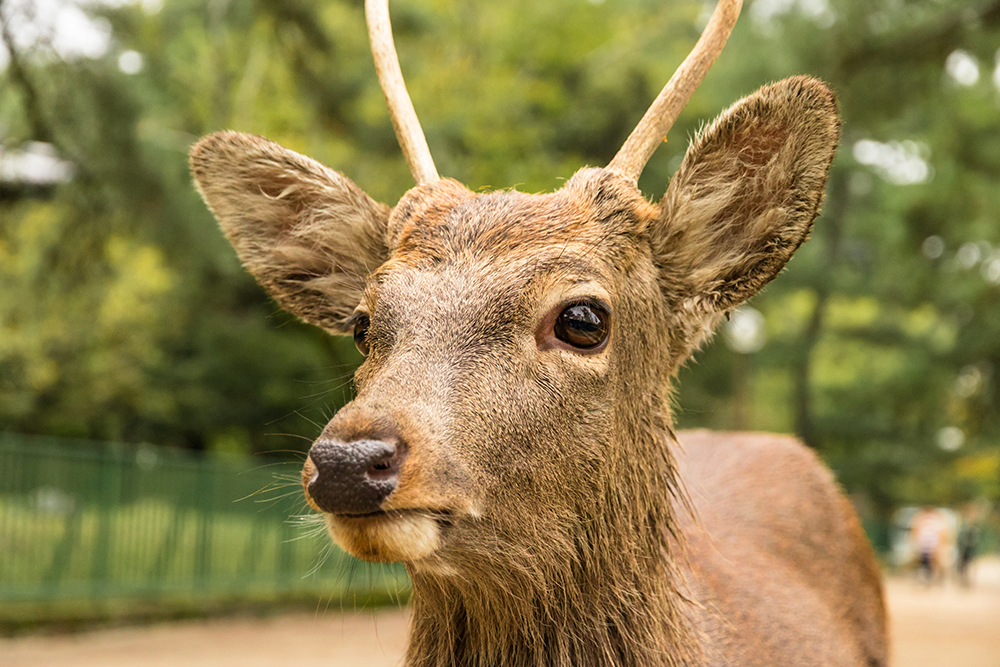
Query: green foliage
x=126, y=316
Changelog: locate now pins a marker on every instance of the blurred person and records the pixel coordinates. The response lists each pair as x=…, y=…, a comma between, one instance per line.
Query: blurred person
x=967, y=543
x=927, y=533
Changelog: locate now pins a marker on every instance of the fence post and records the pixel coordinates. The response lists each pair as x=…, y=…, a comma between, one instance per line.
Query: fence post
x=286, y=570
x=109, y=475
x=205, y=505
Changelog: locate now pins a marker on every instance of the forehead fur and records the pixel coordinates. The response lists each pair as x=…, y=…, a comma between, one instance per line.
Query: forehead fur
x=438, y=222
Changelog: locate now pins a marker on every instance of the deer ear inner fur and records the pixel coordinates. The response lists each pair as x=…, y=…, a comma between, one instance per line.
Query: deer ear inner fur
x=746, y=194
x=308, y=235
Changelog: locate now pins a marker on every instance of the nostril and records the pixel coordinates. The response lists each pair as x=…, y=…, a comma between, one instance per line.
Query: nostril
x=385, y=467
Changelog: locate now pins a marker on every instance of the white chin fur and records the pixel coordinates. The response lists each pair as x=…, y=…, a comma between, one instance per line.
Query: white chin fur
x=386, y=539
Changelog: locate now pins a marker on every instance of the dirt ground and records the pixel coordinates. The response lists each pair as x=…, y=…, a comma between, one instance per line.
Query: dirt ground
x=941, y=626
x=945, y=625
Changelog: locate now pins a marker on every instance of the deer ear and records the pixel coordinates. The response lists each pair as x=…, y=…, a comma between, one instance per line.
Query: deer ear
x=746, y=194
x=307, y=234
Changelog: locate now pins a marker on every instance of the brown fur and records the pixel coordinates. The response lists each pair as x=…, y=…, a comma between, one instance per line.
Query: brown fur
x=783, y=578
x=540, y=508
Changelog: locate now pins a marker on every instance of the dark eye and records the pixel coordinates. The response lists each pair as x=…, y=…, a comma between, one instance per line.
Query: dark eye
x=361, y=324
x=582, y=325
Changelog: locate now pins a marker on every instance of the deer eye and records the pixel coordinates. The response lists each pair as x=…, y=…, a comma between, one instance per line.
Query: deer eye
x=582, y=325
x=361, y=324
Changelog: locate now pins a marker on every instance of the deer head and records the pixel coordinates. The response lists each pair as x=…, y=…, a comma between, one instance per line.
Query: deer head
x=512, y=413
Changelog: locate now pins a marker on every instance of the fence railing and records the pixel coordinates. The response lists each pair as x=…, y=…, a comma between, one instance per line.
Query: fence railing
x=96, y=521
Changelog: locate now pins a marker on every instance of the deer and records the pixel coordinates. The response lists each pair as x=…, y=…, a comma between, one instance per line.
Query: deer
x=511, y=438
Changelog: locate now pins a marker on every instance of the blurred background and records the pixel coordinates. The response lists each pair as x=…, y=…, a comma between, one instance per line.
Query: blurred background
x=155, y=405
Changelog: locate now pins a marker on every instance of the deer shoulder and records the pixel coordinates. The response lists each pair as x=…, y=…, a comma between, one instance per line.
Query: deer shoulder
x=770, y=541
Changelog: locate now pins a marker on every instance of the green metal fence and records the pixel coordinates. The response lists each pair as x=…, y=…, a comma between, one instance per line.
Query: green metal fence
x=98, y=521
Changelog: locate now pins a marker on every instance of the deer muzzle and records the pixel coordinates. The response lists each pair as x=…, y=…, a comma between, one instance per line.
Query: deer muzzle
x=352, y=478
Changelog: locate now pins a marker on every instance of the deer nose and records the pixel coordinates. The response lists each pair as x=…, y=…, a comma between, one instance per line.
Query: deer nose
x=353, y=477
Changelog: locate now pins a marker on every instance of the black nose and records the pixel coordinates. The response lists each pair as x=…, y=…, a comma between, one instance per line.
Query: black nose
x=353, y=477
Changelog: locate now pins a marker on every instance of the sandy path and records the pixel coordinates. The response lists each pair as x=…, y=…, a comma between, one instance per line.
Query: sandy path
x=335, y=639
x=937, y=627
x=946, y=626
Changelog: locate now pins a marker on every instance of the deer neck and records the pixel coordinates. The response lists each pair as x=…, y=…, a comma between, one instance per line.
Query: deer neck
x=603, y=592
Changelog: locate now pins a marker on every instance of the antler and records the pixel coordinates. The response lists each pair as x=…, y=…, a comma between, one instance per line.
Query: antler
x=390, y=77
x=651, y=130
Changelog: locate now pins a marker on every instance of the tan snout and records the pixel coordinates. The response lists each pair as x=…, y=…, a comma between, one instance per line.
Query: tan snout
x=386, y=491
x=308, y=471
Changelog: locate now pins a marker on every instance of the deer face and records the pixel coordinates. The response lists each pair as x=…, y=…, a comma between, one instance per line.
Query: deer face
x=497, y=335
x=518, y=347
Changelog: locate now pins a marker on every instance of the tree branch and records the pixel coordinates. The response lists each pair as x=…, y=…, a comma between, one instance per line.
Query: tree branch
x=40, y=128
